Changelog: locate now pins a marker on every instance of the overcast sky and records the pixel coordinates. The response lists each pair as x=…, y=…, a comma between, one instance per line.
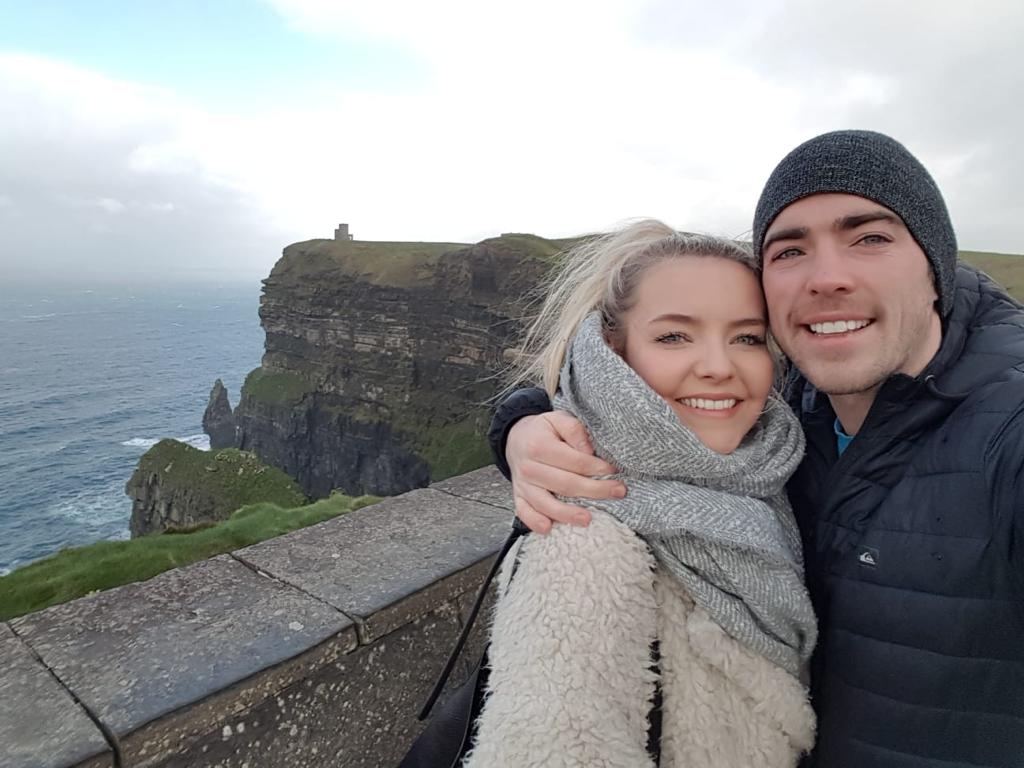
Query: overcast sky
x=195, y=139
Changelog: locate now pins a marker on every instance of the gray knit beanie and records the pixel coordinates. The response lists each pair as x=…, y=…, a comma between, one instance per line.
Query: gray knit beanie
x=876, y=167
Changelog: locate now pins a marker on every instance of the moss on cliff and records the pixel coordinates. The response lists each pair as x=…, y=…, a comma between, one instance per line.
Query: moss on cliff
x=75, y=572
x=229, y=478
x=278, y=388
x=453, y=449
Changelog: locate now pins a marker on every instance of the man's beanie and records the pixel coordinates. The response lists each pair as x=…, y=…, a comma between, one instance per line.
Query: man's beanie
x=870, y=165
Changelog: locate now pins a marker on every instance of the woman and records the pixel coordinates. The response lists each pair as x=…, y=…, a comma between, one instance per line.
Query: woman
x=658, y=342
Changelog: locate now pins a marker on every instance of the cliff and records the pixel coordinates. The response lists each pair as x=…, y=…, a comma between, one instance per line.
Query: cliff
x=379, y=358
x=177, y=487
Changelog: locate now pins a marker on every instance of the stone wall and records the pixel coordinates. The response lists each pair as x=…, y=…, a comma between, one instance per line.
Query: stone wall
x=313, y=649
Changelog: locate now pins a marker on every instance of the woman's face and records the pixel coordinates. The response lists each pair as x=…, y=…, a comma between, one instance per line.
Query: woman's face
x=696, y=335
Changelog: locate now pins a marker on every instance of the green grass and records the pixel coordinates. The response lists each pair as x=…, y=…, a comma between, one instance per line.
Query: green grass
x=75, y=572
x=396, y=264
x=400, y=265
x=1006, y=269
x=278, y=388
x=530, y=246
x=454, y=449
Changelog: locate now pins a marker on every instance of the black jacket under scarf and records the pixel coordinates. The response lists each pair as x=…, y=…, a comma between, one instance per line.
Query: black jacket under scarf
x=914, y=542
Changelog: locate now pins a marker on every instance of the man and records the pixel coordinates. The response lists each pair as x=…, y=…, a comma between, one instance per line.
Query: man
x=909, y=380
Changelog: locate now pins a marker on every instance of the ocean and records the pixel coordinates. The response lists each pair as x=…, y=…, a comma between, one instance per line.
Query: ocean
x=92, y=376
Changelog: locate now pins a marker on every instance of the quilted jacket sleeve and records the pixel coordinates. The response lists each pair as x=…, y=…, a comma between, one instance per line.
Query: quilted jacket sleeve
x=1005, y=464
x=522, y=402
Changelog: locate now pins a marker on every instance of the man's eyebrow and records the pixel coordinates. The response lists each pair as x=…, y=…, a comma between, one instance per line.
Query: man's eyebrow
x=846, y=223
x=793, y=233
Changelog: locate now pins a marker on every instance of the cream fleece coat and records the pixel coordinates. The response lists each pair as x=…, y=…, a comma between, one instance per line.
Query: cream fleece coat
x=571, y=682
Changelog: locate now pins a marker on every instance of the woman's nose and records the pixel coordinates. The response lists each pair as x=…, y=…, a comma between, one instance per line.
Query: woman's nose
x=714, y=362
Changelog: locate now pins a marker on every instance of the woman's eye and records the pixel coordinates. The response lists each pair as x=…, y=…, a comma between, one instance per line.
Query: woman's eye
x=751, y=339
x=671, y=338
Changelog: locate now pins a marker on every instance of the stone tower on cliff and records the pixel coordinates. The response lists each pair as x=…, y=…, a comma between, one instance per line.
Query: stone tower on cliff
x=341, y=233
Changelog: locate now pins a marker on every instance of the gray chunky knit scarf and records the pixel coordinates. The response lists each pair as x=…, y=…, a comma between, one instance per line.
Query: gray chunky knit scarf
x=721, y=524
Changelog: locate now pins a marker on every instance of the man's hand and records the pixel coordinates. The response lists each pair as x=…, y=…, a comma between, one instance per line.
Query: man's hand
x=550, y=454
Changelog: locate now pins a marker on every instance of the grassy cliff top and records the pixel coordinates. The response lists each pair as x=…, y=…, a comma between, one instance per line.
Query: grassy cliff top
x=1007, y=269
x=232, y=478
x=398, y=265
x=401, y=265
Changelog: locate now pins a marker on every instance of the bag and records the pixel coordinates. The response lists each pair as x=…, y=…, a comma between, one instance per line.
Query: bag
x=448, y=737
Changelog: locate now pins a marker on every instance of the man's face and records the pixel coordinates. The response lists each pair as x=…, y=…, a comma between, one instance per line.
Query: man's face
x=850, y=293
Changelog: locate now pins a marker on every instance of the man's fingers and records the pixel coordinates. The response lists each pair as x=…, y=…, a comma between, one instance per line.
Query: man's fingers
x=564, y=457
x=543, y=503
x=569, y=484
x=532, y=519
x=571, y=430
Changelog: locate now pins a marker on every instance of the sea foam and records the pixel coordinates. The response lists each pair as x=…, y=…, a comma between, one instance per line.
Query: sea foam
x=202, y=442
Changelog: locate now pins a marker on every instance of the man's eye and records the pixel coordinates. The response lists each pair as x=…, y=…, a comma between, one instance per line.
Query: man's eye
x=788, y=253
x=874, y=240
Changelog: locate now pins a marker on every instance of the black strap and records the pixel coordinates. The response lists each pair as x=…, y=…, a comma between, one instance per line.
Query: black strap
x=518, y=529
x=654, y=713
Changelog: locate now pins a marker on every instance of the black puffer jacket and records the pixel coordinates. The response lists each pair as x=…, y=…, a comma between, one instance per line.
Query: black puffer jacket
x=915, y=554
x=915, y=551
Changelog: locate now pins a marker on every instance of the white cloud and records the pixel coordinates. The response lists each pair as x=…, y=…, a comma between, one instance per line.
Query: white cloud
x=565, y=116
x=88, y=205
x=550, y=117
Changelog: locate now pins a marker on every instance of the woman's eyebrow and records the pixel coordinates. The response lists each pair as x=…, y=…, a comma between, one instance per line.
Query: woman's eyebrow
x=678, y=318
x=674, y=317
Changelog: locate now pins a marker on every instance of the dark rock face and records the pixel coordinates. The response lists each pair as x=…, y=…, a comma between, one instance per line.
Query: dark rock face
x=379, y=358
x=324, y=449
x=218, y=422
x=157, y=508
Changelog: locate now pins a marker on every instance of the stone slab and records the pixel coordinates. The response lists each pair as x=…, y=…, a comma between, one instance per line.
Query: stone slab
x=486, y=485
x=41, y=725
x=156, y=742
x=409, y=547
x=358, y=712
x=138, y=652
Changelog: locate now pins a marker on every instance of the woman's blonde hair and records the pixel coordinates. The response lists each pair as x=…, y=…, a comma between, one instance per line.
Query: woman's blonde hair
x=602, y=274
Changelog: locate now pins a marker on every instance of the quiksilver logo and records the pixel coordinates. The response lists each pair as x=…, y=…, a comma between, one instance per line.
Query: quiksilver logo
x=868, y=556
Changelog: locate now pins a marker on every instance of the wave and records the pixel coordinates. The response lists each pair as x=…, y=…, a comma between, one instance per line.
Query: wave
x=202, y=442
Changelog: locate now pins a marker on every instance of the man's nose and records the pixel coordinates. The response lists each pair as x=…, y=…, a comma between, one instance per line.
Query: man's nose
x=830, y=271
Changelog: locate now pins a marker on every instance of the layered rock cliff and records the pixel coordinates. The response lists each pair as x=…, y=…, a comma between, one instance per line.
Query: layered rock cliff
x=379, y=358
